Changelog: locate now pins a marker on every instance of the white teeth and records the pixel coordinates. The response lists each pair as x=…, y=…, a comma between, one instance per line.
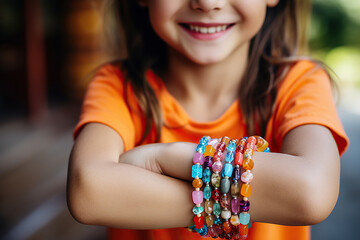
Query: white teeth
x=206, y=30
x=203, y=30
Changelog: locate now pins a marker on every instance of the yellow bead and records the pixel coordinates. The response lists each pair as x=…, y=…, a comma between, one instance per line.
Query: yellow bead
x=248, y=164
x=246, y=190
x=197, y=183
x=209, y=151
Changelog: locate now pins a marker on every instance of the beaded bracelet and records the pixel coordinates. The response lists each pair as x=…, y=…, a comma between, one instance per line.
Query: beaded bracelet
x=197, y=195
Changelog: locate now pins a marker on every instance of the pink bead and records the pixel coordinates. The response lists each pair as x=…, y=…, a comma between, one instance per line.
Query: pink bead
x=198, y=158
x=251, y=145
x=197, y=197
x=217, y=166
x=251, y=139
x=247, y=177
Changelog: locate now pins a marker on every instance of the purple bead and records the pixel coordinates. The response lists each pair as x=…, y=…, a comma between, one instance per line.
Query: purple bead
x=197, y=197
x=208, y=162
x=235, y=205
x=198, y=158
x=244, y=206
x=236, y=174
x=224, y=201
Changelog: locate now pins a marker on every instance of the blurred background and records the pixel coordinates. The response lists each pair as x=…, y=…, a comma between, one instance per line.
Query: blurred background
x=47, y=49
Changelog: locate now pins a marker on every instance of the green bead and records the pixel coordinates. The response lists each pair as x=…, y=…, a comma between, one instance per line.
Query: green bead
x=215, y=180
x=197, y=210
x=216, y=209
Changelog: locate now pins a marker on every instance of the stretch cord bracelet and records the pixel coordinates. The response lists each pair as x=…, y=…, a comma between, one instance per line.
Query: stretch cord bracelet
x=209, y=153
x=216, y=182
x=254, y=143
x=197, y=194
x=225, y=186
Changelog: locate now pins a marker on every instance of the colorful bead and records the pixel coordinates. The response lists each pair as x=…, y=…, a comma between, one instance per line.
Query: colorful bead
x=196, y=171
x=215, y=195
x=229, y=157
x=197, y=210
x=238, y=159
x=236, y=173
x=244, y=206
x=244, y=218
x=203, y=231
x=248, y=164
x=209, y=220
x=216, y=209
x=217, y=166
x=215, y=180
x=227, y=227
x=247, y=177
x=248, y=153
x=212, y=232
x=206, y=175
x=234, y=220
x=267, y=149
x=235, y=189
x=225, y=214
x=218, y=221
x=235, y=205
x=197, y=183
x=225, y=185
x=227, y=170
x=204, y=140
x=243, y=229
x=251, y=139
x=207, y=192
x=208, y=207
x=197, y=197
x=198, y=158
x=200, y=149
x=246, y=190
x=224, y=201
x=199, y=221
x=208, y=162
x=231, y=147
x=209, y=150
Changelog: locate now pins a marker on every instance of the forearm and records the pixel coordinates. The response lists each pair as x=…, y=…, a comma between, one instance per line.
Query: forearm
x=125, y=196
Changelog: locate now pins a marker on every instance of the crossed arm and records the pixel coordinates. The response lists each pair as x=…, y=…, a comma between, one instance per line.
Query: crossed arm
x=149, y=187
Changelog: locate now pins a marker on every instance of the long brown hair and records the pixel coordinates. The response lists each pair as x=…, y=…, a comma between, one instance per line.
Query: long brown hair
x=278, y=45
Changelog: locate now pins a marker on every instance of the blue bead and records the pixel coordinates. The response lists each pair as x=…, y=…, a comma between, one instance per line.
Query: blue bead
x=203, y=230
x=204, y=140
x=217, y=221
x=196, y=171
x=231, y=146
x=244, y=218
x=236, y=174
x=229, y=157
x=197, y=210
x=207, y=192
x=267, y=149
x=192, y=228
x=227, y=170
x=200, y=148
x=206, y=175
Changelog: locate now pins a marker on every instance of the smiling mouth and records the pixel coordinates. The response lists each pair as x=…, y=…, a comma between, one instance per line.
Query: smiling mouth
x=207, y=29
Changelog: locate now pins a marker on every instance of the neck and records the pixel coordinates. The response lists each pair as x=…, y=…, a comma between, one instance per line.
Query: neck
x=188, y=81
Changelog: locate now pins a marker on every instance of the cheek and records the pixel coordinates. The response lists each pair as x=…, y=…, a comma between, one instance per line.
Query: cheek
x=253, y=14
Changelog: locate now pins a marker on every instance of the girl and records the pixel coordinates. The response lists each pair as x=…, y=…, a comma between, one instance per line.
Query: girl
x=205, y=67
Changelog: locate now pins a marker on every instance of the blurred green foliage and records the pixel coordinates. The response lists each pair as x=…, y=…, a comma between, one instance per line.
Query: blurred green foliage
x=335, y=37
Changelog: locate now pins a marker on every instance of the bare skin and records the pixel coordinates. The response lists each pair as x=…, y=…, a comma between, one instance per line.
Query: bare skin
x=149, y=187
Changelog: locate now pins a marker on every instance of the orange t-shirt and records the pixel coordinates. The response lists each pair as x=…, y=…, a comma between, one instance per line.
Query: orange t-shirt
x=304, y=97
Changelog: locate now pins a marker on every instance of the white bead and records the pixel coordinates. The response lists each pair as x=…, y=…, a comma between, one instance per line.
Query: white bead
x=225, y=214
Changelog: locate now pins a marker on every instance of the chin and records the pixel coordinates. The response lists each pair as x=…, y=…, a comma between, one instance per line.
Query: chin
x=206, y=60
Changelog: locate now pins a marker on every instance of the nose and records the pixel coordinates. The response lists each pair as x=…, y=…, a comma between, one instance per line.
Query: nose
x=207, y=5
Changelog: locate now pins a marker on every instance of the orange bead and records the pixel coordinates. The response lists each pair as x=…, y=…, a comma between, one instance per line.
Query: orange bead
x=225, y=140
x=227, y=227
x=243, y=229
x=251, y=139
x=197, y=183
x=209, y=151
x=246, y=190
x=248, y=164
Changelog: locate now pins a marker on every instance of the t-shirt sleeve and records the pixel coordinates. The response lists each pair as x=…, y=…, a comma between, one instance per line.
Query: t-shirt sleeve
x=104, y=103
x=305, y=97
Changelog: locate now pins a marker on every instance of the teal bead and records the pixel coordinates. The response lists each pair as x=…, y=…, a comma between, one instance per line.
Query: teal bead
x=206, y=175
x=207, y=192
x=244, y=218
x=216, y=209
x=229, y=157
x=196, y=171
x=227, y=170
x=231, y=146
x=204, y=140
x=192, y=228
x=217, y=221
x=225, y=185
x=200, y=148
x=250, y=224
x=197, y=210
x=202, y=231
x=267, y=149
